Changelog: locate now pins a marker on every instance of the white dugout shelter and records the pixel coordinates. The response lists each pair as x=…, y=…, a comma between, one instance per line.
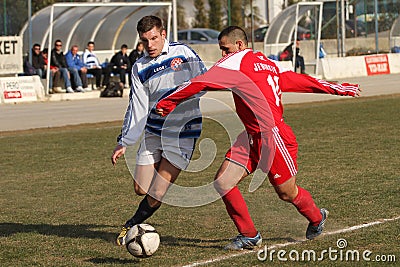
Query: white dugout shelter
x=394, y=36
x=283, y=28
x=109, y=25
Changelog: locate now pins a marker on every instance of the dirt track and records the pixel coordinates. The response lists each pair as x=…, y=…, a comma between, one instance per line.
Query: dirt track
x=53, y=114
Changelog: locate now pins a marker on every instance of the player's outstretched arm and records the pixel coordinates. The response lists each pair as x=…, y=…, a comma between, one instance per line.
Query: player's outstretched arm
x=293, y=82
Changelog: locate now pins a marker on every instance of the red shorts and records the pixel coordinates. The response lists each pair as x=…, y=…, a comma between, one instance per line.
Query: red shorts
x=277, y=156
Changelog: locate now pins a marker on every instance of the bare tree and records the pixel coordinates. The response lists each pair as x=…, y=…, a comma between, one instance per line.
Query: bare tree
x=200, y=17
x=237, y=14
x=215, y=15
x=182, y=23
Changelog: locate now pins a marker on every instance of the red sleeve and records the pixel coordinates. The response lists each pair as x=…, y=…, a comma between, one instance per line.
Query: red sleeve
x=216, y=78
x=300, y=83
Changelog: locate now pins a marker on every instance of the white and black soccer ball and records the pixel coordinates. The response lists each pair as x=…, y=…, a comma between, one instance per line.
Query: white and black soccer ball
x=142, y=240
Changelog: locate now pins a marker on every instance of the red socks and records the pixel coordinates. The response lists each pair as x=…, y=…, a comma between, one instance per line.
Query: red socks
x=237, y=210
x=306, y=206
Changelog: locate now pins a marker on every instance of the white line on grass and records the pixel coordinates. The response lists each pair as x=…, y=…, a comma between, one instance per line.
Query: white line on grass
x=344, y=230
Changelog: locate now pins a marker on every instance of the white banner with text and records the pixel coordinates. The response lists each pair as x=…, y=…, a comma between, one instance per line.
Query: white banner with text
x=11, y=55
x=21, y=89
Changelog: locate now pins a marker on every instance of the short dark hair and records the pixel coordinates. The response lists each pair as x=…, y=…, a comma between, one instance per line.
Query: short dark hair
x=124, y=46
x=147, y=23
x=138, y=44
x=36, y=44
x=90, y=42
x=234, y=33
x=57, y=41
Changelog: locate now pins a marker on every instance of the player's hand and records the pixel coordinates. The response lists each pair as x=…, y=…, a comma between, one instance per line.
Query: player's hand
x=358, y=92
x=117, y=153
x=160, y=111
x=164, y=108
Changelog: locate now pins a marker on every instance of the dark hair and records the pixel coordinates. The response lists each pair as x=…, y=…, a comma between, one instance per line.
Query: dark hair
x=57, y=41
x=147, y=23
x=124, y=46
x=234, y=33
x=36, y=44
x=45, y=51
x=138, y=44
x=90, y=42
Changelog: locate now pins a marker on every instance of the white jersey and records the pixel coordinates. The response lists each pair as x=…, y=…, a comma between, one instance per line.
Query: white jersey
x=152, y=80
x=90, y=59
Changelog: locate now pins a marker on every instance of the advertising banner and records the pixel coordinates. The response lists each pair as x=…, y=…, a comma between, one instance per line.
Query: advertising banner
x=18, y=89
x=11, y=55
x=377, y=64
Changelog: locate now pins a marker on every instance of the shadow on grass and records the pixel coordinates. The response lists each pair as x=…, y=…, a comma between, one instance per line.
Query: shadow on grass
x=211, y=243
x=63, y=230
x=109, y=260
x=190, y=242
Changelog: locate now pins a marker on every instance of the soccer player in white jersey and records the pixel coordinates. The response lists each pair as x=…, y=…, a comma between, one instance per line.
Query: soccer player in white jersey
x=159, y=160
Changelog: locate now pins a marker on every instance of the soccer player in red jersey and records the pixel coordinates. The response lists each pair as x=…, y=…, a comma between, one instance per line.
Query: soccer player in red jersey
x=267, y=143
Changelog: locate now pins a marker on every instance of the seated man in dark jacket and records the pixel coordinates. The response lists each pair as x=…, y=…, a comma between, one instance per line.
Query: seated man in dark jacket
x=58, y=60
x=36, y=66
x=120, y=64
x=38, y=61
x=287, y=55
x=134, y=56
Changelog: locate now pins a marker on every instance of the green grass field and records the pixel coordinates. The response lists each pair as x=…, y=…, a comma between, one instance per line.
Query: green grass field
x=62, y=202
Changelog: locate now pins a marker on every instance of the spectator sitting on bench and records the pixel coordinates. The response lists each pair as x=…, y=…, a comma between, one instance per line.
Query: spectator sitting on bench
x=76, y=65
x=287, y=55
x=58, y=60
x=55, y=82
x=94, y=67
x=134, y=56
x=120, y=64
x=37, y=67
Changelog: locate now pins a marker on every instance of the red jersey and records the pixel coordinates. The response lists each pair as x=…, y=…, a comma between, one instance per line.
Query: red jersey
x=257, y=84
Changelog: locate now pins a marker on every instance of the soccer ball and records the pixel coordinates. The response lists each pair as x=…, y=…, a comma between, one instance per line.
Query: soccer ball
x=142, y=240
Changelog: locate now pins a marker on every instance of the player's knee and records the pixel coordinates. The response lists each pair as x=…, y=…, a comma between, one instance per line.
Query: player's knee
x=139, y=190
x=288, y=190
x=222, y=186
x=285, y=196
x=288, y=196
x=218, y=187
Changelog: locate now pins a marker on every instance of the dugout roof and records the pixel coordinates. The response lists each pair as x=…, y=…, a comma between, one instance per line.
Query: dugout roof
x=282, y=28
x=109, y=25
